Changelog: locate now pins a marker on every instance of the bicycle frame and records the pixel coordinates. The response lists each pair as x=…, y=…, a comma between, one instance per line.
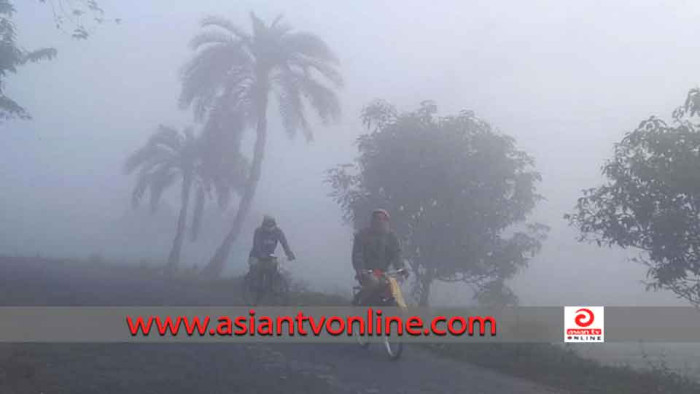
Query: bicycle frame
x=391, y=294
x=265, y=278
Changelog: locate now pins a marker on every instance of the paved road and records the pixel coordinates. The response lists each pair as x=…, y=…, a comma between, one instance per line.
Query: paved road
x=205, y=368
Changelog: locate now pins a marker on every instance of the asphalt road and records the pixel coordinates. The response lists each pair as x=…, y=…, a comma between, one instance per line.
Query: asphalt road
x=205, y=368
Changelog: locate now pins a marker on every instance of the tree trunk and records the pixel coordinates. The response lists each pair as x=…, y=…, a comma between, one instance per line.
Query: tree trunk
x=216, y=264
x=174, y=257
x=425, y=281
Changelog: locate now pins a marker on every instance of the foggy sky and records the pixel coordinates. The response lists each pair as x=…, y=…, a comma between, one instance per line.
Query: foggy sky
x=566, y=79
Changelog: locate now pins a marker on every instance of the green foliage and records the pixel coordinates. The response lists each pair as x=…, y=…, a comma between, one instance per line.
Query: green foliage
x=651, y=200
x=78, y=18
x=11, y=57
x=455, y=188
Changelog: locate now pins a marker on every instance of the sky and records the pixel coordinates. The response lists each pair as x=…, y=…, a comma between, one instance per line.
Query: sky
x=565, y=79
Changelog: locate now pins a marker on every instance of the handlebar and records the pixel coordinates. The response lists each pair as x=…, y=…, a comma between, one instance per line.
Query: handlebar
x=396, y=273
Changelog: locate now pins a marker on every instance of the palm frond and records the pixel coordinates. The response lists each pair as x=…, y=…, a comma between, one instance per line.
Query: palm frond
x=160, y=180
x=259, y=28
x=309, y=45
x=221, y=78
x=168, y=137
x=309, y=65
x=291, y=105
x=162, y=148
x=225, y=24
x=140, y=188
x=210, y=37
x=277, y=20
x=6, y=8
x=38, y=55
x=167, y=154
x=207, y=72
x=9, y=109
x=136, y=159
x=322, y=99
x=278, y=29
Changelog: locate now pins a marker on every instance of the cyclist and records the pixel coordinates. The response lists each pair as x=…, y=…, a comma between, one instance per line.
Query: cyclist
x=375, y=248
x=265, y=242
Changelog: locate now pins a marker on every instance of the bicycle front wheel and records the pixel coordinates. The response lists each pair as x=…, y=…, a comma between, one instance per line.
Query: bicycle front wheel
x=393, y=346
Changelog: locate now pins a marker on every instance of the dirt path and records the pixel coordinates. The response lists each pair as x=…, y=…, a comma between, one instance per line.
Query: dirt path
x=205, y=368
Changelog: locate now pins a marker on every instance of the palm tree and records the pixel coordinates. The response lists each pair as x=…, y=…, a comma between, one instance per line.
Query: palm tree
x=168, y=156
x=235, y=72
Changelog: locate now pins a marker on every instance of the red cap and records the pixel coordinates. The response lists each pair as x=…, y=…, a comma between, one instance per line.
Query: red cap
x=382, y=212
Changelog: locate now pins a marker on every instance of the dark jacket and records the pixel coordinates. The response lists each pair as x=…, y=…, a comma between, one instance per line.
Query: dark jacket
x=265, y=243
x=374, y=250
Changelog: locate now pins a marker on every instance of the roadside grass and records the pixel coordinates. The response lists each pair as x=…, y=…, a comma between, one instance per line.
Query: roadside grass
x=561, y=367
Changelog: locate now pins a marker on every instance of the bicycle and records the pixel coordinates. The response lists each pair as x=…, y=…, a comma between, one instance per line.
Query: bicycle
x=389, y=296
x=265, y=284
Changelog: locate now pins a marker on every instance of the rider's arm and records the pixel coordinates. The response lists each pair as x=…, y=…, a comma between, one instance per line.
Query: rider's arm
x=357, y=255
x=285, y=245
x=255, y=250
x=394, y=246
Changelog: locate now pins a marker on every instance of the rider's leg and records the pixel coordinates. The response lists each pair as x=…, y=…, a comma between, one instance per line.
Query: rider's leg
x=254, y=271
x=272, y=271
x=371, y=287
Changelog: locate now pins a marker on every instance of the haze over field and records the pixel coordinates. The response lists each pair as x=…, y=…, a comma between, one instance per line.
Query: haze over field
x=567, y=80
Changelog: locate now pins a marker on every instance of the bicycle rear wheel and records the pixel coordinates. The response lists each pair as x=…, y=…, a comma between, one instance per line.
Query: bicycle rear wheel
x=280, y=290
x=252, y=289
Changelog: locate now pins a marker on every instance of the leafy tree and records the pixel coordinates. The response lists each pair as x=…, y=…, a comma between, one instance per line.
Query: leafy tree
x=171, y=155
x=13, y=56
x=455, y=189
x=651, y=200
x=77, y=17
x=234, y=72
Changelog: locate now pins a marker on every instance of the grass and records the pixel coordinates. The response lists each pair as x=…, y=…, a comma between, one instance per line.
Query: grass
x=562, y=368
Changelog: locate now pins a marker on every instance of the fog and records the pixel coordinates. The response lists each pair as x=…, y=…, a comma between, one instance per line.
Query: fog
x=567, y=80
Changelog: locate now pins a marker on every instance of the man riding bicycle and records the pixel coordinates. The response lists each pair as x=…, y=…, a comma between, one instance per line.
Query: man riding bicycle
x=375, y=248
x=265, y=241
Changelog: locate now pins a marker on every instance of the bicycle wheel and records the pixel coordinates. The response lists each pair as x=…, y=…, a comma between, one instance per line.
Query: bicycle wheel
x=392, y=343
x=263, y=288
x=252, y=289
x=280, y=289
x=393, y=346
x=361, y=340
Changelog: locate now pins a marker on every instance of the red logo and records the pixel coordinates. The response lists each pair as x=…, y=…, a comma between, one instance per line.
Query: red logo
x=584, y=324
x=584, y=317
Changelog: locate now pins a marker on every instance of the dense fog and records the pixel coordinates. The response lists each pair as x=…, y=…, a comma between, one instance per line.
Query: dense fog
x=566, y=80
